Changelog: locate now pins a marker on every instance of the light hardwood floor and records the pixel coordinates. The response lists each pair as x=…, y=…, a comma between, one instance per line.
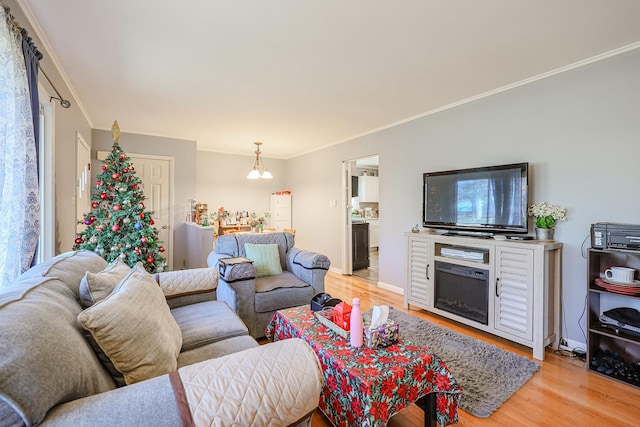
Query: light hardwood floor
x=561, y=393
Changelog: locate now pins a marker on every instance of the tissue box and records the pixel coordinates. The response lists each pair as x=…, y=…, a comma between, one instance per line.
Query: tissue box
x=342, y=315
x=383, y=336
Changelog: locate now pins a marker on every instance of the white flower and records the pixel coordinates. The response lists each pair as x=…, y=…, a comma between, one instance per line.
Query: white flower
x=541, y=209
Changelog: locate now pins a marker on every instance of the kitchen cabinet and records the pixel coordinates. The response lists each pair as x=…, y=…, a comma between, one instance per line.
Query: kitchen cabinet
x=522, y=284
x=281, y=211
x=368, y=189
x=199, y=244
x=603, y=340
x=373, y=233
x=360, y=245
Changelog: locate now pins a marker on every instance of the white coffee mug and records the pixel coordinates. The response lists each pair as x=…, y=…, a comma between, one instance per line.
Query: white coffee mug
x=620, y=274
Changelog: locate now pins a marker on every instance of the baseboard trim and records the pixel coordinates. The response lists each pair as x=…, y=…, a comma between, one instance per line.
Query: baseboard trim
x=391, y=288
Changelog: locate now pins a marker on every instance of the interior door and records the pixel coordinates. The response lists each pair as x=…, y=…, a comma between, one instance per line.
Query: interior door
x=155, y=174
x=83, y=175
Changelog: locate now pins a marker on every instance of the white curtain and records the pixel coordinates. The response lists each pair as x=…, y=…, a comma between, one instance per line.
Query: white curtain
x=19, y=201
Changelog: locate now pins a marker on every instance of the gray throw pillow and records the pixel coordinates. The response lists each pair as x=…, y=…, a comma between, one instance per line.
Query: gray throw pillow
x=95, y=287
x=135, y=329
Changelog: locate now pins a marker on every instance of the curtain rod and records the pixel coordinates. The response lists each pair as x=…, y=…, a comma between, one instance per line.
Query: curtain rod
x=63, y=102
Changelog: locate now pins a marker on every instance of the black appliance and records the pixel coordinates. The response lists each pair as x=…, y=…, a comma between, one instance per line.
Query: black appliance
x=360, y=244
x=608, y=235
x=354, y=186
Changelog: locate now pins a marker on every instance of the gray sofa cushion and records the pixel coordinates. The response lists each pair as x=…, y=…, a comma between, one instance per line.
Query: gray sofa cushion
x=207, y=322
x=45, y=360
x=69, y=267
x=284, y=280
x=283, y=298
x=216, y=349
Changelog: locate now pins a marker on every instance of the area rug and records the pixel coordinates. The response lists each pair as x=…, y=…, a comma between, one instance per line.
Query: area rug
x=488, y=374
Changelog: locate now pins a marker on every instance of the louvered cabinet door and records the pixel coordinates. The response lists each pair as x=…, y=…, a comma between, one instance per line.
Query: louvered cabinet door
x=420, y=272
x=514, y=291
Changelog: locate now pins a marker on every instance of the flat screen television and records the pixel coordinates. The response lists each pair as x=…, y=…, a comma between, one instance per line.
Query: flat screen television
x=484, y=200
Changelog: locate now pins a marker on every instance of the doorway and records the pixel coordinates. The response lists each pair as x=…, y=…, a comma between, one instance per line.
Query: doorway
x=360, y=254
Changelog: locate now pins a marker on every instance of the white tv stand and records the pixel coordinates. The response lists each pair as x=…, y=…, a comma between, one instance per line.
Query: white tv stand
x=524, y=283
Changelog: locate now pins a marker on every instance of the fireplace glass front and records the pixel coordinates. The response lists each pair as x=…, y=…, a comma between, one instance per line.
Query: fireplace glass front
x=463, y=291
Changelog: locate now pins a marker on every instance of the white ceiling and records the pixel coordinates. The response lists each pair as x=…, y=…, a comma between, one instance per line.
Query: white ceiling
x=300, y=75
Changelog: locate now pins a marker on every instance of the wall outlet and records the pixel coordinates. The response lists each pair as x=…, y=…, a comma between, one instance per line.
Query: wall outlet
x=563, y=342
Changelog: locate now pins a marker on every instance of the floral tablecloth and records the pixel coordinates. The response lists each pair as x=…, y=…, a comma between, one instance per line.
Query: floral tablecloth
x=363, y=386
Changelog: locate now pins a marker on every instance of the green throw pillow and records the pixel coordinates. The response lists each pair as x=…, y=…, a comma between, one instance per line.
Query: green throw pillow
x=266, y=258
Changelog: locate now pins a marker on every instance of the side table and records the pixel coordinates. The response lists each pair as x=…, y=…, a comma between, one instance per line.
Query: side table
x=366, y=386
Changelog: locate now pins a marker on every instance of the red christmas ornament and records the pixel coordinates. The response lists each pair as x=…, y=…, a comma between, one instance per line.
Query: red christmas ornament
x=115, y=175
x=116, y=227
x=92, y=218
x=117, y=207
x=78, y=241
x=150, y=260
x=100, y=229
x=103, y=196
x=122, y=156
x=141, y=215
x=142, y=205
x=94, y=205
x=127, y=180
x=143, y=239
x=137, y=251
x=104, y=167
x=152, y=221
x=162, y=249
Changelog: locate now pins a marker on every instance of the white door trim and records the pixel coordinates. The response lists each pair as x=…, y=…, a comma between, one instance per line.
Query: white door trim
x=346, y=207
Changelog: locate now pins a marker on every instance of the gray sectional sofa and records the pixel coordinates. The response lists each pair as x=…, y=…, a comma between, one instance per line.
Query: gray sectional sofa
x=58, y=365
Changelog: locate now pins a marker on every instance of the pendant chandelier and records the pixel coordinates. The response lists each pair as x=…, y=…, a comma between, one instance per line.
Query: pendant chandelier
x=259, y=170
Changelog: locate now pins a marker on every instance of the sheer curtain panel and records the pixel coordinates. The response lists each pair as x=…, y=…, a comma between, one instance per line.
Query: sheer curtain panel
x=19, y=201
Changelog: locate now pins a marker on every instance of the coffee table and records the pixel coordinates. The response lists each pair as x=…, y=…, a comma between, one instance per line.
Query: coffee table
x=366, y=386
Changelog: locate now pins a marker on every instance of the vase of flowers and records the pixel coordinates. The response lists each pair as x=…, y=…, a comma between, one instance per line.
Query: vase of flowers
x=223, y=215
x=547, y=217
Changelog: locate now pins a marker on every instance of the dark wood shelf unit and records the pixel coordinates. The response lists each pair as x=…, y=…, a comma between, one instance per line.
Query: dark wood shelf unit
x=600, y=338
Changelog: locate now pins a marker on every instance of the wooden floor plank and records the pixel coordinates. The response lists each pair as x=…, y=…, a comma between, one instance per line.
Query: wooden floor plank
x=561, y=393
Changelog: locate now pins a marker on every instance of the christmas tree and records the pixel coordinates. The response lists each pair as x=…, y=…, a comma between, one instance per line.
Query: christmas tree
x=118, y=225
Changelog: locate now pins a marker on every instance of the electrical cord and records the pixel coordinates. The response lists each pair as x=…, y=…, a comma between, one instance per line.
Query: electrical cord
x=583, y=249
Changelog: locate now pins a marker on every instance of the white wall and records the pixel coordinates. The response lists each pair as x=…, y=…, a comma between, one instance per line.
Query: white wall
x=222, y=181
x=579, y=131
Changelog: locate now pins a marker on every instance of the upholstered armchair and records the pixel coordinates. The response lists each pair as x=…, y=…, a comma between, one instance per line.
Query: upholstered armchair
x=256, y=292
